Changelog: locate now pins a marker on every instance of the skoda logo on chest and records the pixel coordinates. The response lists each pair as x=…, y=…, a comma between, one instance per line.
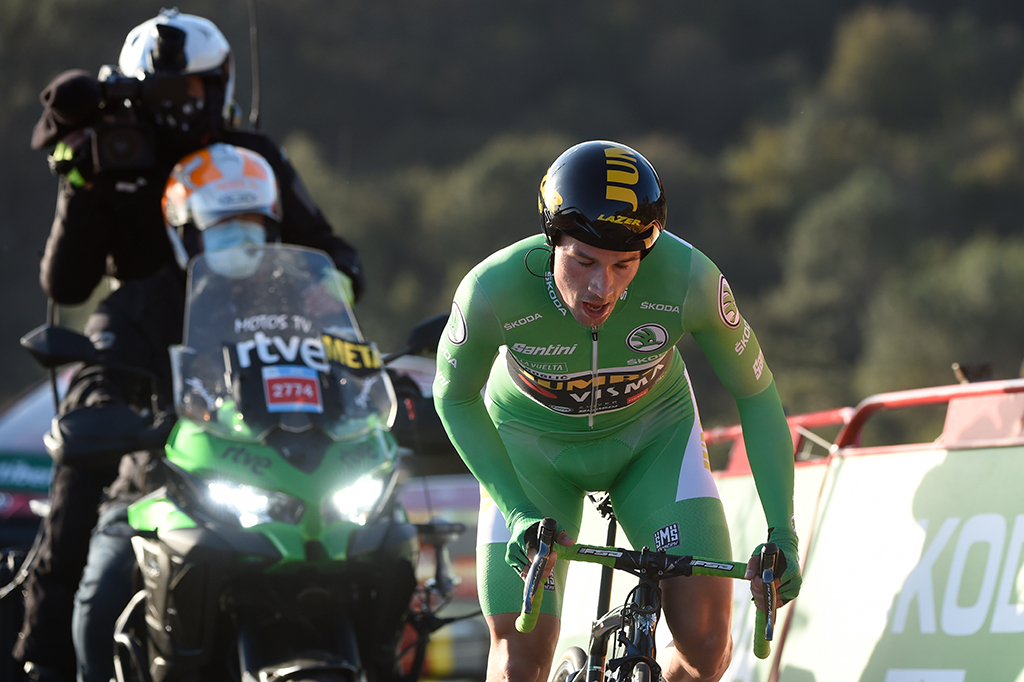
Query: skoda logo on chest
x=647, y=338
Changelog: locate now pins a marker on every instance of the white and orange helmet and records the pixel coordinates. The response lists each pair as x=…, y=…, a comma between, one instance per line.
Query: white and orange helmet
x=219, y=198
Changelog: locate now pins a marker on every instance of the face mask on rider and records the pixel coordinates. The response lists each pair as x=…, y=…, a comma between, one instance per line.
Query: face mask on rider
x=233, y=247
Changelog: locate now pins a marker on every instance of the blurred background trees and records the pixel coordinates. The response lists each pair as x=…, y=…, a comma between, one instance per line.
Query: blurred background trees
x=856, y=169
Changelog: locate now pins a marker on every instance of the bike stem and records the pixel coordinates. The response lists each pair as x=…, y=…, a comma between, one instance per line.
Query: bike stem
x=604, y=596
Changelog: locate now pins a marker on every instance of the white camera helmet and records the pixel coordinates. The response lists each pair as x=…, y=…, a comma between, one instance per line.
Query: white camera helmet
x=176, y=44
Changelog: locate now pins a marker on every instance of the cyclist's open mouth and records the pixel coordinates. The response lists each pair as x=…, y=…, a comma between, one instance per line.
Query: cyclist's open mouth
x=595, y=311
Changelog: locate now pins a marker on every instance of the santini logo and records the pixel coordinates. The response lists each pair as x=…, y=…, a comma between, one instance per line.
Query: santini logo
x=666, y=537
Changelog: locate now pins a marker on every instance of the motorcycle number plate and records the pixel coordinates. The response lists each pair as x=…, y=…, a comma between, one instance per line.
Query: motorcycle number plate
x=292, y=389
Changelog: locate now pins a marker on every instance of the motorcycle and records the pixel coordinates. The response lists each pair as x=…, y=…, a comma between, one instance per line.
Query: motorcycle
x=276, y=547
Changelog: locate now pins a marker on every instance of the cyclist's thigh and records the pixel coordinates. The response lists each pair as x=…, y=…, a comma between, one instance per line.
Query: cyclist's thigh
x=500, y=586
x=667, y=499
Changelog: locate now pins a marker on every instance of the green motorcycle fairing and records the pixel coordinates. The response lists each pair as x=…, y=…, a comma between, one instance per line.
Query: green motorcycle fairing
x=208, y=457
x=284, y=411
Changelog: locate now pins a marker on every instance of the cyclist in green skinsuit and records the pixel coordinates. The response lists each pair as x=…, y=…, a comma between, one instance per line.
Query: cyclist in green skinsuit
x=573, y=332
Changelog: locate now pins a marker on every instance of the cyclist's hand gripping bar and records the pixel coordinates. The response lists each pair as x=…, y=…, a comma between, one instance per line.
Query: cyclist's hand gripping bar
x=533, y=590
x=764, y=619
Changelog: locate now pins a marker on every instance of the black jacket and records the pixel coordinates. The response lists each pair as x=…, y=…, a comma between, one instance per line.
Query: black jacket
x=115, y=225
x=128, y=331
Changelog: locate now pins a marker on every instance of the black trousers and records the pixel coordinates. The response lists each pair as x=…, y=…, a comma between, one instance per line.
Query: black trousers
x=45, y=636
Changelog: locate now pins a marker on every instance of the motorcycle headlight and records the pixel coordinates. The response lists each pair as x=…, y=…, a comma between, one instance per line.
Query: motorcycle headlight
x=355, y=502
x=252, y=506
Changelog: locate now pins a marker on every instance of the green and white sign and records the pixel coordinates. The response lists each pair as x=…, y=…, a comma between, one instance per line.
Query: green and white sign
x=915, y=570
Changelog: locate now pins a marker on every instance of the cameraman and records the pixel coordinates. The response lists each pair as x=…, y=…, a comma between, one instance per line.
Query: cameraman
x=116, y=140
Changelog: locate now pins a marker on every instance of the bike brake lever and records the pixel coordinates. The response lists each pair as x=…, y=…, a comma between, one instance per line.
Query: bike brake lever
x=769, y=561
x=546, y=536
x=545, y=540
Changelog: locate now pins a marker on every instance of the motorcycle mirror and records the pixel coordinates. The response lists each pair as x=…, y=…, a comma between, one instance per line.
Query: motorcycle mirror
x=423, y=337
x=95, y=435
x=427, y=334
x=53, y=346
x=439, y=533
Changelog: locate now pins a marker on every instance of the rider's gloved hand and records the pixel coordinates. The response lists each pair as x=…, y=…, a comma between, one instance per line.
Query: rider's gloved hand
x=524, y=539
x=155, y=435
x=331, y=293
x=340, y=286
x=790, y=580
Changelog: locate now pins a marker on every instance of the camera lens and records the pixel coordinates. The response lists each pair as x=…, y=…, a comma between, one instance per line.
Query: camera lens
x=122, y=146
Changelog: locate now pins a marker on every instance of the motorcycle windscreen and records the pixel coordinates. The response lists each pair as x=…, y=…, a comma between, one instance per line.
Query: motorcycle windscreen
x=277, y=349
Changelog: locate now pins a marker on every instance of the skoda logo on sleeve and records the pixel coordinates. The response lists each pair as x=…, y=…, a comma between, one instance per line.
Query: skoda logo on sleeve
x=456, y=326
x=727, y=308
x=647, y=338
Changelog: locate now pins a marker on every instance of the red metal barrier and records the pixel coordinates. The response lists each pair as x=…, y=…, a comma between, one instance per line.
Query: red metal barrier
x=850, y=432
x=799, y=425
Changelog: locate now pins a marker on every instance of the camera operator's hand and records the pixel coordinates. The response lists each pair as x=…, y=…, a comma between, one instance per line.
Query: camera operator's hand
x=72, y=158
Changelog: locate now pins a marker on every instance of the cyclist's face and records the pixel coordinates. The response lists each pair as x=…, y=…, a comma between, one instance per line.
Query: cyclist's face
x=590, y=280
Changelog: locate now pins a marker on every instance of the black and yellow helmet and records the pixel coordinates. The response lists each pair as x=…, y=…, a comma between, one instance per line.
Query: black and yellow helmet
x=604, y=194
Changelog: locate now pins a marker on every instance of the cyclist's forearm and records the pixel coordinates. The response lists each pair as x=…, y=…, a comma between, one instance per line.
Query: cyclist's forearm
x=476, y=439
x=770, y=452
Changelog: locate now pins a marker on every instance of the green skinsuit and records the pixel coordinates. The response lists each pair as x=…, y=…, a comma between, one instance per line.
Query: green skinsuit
x=541, y=436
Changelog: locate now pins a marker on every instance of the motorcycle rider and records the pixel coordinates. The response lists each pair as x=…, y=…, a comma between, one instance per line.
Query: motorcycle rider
x=204, y=212
x=108, y=221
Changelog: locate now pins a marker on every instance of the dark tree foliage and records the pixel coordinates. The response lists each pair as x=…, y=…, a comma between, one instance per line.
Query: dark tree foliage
x=838, y=159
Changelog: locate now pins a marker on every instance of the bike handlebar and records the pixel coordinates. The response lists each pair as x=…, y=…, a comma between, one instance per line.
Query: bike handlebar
x=662, y=564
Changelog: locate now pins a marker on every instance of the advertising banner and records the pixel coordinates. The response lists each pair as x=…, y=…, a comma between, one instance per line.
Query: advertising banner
x=747, y=528
x=915, y=572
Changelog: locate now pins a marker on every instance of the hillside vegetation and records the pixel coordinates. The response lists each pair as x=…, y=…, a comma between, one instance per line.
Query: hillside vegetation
x=855, y=169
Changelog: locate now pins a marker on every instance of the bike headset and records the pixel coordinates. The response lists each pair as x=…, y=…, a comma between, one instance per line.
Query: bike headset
x=170, y=48
x=222, y=201
x=604, y=194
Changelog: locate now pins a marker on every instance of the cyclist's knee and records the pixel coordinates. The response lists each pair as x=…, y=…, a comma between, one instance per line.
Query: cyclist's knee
x=701, y=638
x=520, y=657
x=505, y=666
x=707, y=656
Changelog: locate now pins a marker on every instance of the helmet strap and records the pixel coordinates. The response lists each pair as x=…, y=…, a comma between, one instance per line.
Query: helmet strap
x=550, y=260
x=180, y=255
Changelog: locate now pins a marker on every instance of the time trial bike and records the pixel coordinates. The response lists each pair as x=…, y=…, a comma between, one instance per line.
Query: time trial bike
x=622, y=639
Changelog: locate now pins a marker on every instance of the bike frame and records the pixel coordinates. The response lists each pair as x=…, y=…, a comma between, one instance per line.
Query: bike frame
x=633, y=623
